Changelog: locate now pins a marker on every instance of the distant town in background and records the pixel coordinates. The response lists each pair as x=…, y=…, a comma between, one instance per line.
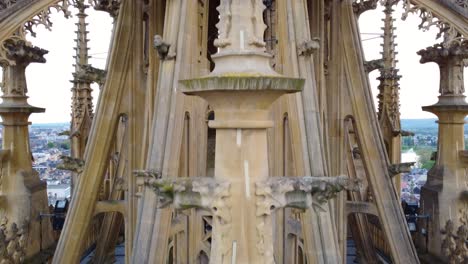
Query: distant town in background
x=420, y=149
x=48, y=144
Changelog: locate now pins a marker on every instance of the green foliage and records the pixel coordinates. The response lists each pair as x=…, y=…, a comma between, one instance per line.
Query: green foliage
x=50, y=145
x=65, y=145
x=425, y=153
x=428, y=164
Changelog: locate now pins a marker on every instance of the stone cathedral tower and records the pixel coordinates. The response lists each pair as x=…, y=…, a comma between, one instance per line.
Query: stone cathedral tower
x=236, y=131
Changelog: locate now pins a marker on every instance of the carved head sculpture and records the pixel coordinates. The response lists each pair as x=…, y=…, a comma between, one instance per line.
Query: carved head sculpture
x=161, y=47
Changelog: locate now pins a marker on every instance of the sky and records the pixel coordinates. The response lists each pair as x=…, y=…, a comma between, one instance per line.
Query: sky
x=49, y=84
x=419, y=85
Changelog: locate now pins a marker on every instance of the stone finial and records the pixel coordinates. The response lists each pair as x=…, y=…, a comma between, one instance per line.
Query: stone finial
x=451, y=64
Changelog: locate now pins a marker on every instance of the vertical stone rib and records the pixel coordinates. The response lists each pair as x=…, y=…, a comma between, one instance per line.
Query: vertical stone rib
x=82, y=101
x=389, y=87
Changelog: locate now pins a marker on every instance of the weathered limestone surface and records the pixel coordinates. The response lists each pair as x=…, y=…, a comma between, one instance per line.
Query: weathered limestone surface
x=441, y=196
x=24, y=196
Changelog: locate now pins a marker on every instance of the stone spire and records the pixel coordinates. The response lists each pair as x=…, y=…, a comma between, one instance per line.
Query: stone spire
x=82, y=105
x=389, y=102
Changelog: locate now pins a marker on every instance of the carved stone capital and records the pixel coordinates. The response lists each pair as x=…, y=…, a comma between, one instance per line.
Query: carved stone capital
x=439, y=53
x=15, y=55
x=18, y=51
x=300, y=192
x=451, y=61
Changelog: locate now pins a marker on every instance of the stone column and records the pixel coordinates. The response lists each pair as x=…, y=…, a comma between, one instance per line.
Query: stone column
x=440, y=196
x=24, y=194
x=240, y=90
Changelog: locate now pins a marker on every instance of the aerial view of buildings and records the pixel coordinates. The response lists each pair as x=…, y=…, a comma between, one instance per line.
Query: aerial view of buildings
x=48, y=143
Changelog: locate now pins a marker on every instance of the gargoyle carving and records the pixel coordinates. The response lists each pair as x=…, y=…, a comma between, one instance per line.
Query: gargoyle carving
x=296, y=192
x=395, y=169
x=203, y=193
x=308, y=47
x=71, y=164
x=163, y=48
x=300, y=192
x=88, y=73
x=373, y=65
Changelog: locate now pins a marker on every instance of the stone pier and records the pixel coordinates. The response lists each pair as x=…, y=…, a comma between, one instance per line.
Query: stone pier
x=24, y=195
x=441, y=195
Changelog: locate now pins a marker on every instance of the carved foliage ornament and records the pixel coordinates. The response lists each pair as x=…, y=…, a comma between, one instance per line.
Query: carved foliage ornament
x=13, y=242
x=41, y=18
x=4, y=4
x=454, y=245
x=296, y=192
x=301, y=192
x=110, y=6
x=361, y=6
x=450, y=34
x=203, y=193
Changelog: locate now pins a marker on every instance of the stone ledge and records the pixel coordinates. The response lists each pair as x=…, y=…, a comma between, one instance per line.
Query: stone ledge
x=242, y=82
